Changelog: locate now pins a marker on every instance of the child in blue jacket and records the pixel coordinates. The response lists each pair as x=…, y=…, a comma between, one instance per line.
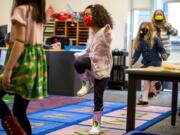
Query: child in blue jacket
x=150, y=47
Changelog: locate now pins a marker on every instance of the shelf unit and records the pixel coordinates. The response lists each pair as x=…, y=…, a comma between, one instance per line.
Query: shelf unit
x=48, y=30
x=59, y=28
x=83, y=32
x=117, y=79
x=72, y=32
x=75, y=31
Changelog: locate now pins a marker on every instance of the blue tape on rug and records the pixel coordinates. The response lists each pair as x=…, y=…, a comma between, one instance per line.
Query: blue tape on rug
x=58, y=116
x=2, y=132
x=80, y=109
x=40, y=126
x=114, y=105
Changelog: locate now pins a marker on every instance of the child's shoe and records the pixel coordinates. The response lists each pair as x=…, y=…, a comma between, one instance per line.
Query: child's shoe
x=96, y=127
x=11, y=126
x=86, y=87
x=142, y=103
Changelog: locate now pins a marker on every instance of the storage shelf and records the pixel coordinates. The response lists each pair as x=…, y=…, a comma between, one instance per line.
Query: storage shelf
x=77, y=31
x=118, y=80
x=48, y=30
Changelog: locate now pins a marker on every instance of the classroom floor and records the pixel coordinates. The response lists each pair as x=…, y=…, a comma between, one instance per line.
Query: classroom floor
x=163, y=99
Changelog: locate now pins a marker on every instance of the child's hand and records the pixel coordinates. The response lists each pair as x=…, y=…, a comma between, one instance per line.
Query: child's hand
x=167, y=25
x=164, y=56
x=107, y=34
x=6, y=77
x=107, y=28
x=76, y=55
x=131, y=62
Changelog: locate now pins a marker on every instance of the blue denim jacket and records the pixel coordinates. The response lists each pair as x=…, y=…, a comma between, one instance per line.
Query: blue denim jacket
x=150, y=56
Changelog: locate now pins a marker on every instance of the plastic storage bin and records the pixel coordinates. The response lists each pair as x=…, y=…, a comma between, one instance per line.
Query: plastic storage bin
x=74, y=48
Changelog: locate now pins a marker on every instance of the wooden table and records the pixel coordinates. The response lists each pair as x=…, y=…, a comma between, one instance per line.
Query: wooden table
x=154, y=73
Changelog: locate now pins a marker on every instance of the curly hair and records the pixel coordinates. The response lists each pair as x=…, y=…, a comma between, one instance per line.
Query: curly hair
x=100, y=15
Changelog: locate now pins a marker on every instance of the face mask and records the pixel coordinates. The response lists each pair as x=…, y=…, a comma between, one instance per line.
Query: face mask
x=87, y=20
x=159, y=19
x=143, y=32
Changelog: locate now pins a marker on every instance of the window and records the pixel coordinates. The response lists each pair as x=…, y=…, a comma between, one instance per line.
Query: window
x=171, y=10
x=139, y=17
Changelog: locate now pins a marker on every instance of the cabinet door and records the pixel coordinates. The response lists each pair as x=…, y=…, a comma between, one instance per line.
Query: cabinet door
x=62, y=77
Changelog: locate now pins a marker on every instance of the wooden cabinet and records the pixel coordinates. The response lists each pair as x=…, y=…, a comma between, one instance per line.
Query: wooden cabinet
x=75, y=31
x=72, y=32
x=62, y=77
x=83, y=32
x=59, y=28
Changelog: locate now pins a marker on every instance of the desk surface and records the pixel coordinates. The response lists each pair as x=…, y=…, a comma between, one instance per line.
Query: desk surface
x=3, y=48
x=54, y=50
x=153, y=71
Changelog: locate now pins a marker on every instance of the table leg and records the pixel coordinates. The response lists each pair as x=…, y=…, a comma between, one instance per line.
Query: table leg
x=174, y=103
x=131, y=105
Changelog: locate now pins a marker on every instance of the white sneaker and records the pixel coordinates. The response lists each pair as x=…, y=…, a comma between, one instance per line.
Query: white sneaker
x=85, y=88
x=95, y=130
x=96, y=125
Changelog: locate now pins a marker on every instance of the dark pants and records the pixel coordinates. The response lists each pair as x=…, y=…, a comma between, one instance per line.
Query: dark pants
x=19, y=111
x=83, y=64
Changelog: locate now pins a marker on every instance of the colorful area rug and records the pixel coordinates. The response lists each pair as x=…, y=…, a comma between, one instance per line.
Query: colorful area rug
x=60, y=115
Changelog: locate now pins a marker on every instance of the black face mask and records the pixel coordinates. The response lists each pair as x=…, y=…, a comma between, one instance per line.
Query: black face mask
x=143, y=32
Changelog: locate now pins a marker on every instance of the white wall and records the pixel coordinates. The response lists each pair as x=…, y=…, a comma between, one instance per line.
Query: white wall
x=5, y=10
x=142, y=4
x=118, y=9
x=171, y=0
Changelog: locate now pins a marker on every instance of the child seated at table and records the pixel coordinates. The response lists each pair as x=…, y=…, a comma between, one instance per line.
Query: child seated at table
x=150, y=47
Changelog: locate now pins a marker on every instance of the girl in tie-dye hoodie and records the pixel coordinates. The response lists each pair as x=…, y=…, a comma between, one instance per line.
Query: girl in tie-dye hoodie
x=96, y=60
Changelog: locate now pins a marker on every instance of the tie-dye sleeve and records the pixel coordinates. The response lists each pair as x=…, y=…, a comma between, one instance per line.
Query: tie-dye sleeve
x=107, y=38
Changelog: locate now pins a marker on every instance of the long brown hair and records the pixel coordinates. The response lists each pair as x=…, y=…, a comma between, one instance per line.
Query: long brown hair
x=158, y=26
x=150, y=35
x=39, y=14
x=154, y=14
x=100, y=15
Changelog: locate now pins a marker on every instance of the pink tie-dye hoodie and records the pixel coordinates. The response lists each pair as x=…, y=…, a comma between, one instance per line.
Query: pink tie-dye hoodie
x=100, y=53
